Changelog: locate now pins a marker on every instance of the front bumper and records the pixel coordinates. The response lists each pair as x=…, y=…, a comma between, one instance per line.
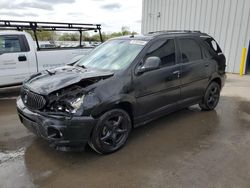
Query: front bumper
x=62, y=132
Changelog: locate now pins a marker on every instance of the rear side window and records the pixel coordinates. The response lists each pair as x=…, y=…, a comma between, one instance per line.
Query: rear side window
x=213, y=45
x=206, y=52
x=190, y=50
x=165, y=50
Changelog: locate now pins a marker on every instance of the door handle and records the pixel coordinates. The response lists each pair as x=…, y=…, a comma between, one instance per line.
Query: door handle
x=177, y=72
x=22, y=58
x=207, y=64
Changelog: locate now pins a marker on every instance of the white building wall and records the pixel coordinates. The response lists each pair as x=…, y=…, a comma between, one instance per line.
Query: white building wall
x=228, y=21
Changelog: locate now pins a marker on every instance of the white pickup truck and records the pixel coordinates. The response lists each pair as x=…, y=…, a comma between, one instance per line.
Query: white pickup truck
x=19, y=57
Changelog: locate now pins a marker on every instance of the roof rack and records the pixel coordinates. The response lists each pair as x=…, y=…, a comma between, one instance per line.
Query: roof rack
x=49, y=26
x=174, y=31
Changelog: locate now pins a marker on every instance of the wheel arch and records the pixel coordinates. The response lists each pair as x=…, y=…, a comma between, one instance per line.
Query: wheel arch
x=217, y=80
x=124, y=104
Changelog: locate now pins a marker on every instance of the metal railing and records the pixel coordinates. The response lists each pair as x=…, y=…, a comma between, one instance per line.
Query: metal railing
x=49, y=26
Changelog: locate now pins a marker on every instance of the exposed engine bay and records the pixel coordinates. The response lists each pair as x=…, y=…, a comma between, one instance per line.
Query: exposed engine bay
x=69, y=99
x=66, y=99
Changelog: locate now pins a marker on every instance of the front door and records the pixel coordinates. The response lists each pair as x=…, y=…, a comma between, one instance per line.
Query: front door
x=14, y=60
x=156, y=90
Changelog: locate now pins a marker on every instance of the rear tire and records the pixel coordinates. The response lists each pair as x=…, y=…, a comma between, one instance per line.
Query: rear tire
x=211, y=97
x=111, y=131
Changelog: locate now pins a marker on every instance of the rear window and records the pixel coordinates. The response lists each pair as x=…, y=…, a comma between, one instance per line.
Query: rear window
x=190, y=50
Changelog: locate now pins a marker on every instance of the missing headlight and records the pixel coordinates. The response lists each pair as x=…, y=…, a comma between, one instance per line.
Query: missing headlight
x=67, y=100
x=76, y=103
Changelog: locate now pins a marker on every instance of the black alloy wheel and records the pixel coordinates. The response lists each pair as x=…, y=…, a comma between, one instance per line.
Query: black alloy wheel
x=111, y=132
x=211, y=97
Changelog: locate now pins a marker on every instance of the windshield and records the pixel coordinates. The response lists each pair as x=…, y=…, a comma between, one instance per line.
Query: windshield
x=113, y=55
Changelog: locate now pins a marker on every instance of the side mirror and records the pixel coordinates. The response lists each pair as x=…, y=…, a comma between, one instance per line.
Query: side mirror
x=151, y=63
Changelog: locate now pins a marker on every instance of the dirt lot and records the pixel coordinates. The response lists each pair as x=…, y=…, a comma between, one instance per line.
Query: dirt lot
x=188, y=148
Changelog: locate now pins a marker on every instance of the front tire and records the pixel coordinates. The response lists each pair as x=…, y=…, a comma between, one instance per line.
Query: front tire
x=111, y=131
x=211, y=97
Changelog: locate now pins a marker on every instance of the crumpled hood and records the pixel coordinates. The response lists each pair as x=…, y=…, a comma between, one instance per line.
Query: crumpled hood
x=55, y=79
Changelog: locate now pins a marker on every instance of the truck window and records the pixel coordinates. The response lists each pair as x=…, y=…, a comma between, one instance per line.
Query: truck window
x=165, y=50
x=190, y=50
x=9, y=44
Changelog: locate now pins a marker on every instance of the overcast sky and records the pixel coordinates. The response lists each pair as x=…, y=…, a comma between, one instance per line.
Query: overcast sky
x=112, y=14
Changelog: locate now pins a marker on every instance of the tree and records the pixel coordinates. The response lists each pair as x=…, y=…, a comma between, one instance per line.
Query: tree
x=125, y=30
x=43, y=35
x=69, y=37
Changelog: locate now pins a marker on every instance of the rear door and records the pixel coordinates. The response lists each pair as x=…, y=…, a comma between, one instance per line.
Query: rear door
x=194, y=73
x=159, y=89
x=14, y=60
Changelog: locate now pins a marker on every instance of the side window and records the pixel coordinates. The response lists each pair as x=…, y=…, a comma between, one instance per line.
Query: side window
x=9, y=44
x=165, y=50
x=213, y=45
x=190, y=50
x=206, y=52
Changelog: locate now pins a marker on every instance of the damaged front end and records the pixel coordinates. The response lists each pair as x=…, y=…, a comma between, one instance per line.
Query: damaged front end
x=61, y=115
x=61, y=92
x=68, y=100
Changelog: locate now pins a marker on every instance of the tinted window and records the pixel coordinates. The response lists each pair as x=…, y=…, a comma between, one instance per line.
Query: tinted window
x=190, y=50
x=9, y=44
x=213, y=45
x=206, y=52
x=165, y=50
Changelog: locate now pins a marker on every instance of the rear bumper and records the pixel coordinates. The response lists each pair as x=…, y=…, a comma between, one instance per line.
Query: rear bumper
x=62, y=132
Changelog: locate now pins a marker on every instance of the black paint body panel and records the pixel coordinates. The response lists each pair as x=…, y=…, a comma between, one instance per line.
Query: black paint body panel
x=144, y=96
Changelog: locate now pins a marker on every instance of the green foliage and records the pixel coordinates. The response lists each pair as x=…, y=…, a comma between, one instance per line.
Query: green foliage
x=44, y=35
x=69, y=37
x=125, y=30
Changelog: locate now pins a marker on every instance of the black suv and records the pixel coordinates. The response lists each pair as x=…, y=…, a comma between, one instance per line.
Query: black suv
x=123, y=83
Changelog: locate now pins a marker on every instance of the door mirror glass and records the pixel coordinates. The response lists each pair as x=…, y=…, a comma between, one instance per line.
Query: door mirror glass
x=151, y=63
